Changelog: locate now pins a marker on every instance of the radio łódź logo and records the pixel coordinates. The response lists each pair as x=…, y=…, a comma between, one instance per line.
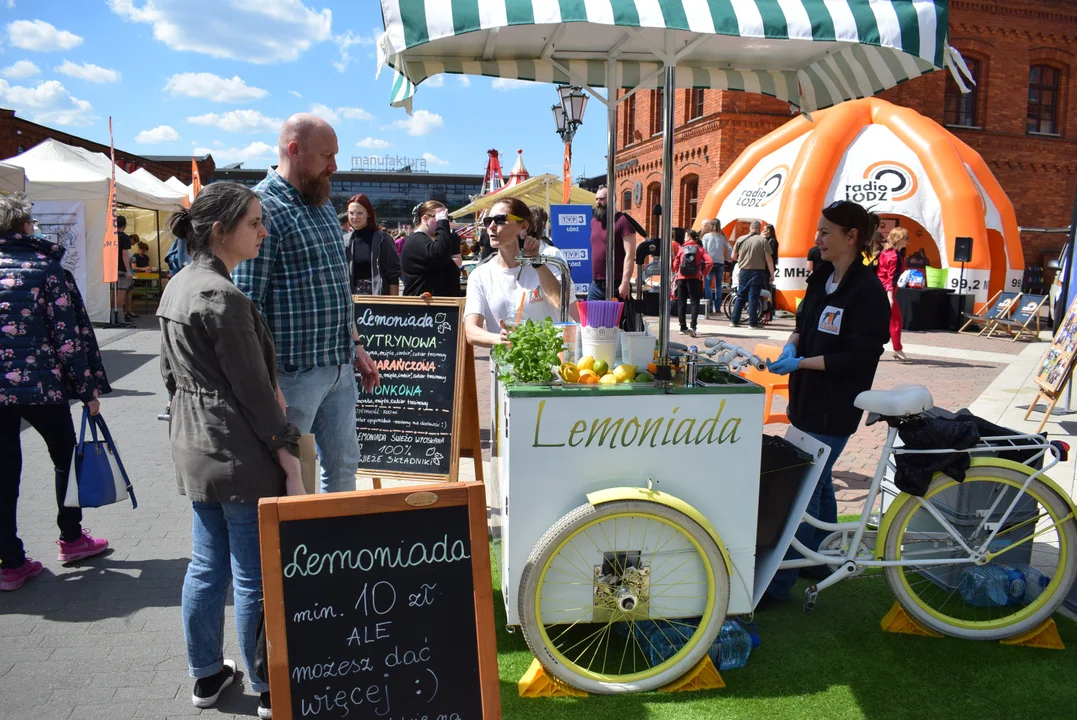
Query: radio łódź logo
x=884, y=181
x=766, y=190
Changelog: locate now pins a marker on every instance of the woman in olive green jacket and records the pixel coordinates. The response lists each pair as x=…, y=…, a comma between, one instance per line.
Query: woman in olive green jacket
x=231, y=443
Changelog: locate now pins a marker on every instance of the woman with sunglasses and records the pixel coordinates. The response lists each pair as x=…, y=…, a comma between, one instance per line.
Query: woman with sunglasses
x=426, y=262
x=831, y=357
x=501, y=292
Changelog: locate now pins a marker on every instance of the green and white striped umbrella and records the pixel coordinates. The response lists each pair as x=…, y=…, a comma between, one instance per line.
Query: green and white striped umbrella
x=812, y=53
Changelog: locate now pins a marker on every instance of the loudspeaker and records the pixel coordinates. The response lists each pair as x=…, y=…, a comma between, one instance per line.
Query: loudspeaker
x=963, y=249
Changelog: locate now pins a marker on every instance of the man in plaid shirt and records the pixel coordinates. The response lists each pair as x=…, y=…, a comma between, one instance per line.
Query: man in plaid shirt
x=299, y=282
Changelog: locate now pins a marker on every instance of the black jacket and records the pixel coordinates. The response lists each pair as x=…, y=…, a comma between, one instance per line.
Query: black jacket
x=427, y=266
x=848, y=328
x=384, y=263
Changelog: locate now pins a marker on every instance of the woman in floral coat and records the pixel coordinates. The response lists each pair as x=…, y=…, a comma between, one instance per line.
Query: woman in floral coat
x=48, y=356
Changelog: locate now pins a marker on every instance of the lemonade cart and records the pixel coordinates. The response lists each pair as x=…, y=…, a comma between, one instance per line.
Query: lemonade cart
x=630, y=512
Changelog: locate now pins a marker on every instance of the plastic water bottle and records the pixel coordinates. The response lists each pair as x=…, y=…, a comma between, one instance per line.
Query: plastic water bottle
x=1035, y=582
x=732, y=648
x=993, y=585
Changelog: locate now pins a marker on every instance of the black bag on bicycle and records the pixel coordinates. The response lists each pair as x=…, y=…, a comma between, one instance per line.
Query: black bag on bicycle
x=914, y=471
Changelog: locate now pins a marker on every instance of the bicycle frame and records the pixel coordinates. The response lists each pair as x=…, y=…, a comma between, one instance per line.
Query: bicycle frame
x=849, y=562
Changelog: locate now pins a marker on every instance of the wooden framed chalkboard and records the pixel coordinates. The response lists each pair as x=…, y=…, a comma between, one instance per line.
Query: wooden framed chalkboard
x=424, y=415
x=379, y=604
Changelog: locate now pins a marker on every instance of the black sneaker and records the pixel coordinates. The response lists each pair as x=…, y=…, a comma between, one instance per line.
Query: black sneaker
x=208, y=689
x=265, y=710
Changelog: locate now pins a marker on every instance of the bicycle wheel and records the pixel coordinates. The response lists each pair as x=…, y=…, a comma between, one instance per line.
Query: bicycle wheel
x=727, y=304
x=983, y=600
x=623, y=597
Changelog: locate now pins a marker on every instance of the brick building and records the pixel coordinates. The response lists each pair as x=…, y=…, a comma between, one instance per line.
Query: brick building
x=18, y=135
x=1023, y=54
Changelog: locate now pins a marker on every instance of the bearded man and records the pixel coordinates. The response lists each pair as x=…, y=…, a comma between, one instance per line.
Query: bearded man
x=300, y=284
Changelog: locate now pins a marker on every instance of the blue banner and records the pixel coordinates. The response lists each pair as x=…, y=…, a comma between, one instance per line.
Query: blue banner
x=570, y=231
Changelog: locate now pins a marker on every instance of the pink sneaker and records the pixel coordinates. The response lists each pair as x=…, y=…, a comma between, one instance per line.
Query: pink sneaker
x=14, y=579
x=86, y=546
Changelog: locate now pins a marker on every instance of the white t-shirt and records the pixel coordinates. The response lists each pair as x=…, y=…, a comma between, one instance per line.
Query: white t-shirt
x=494, y=293
x=551, y=250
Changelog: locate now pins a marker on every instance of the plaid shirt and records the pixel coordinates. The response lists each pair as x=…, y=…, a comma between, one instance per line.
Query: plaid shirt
x=299, y=281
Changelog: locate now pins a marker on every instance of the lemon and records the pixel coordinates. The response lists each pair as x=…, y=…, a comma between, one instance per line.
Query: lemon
x=625, y=373
x=585, y=363
x=601, y=367
x=570, y=372
x=609, y=379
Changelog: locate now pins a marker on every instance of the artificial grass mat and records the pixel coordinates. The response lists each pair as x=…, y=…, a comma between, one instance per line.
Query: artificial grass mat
x=833, y=664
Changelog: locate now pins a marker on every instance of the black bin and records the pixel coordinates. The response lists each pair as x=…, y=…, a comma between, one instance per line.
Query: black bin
x=782, y=467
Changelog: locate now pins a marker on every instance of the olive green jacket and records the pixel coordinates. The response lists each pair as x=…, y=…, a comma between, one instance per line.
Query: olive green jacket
x=218, y=362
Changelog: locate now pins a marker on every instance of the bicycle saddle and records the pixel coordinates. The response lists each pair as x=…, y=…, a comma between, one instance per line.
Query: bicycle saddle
x=899, y=401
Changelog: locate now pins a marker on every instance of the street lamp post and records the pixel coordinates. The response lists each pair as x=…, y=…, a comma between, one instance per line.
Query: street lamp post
x=568, y=115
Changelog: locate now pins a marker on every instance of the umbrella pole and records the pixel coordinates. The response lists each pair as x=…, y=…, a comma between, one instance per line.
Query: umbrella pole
x=611, y=133
x=666, y=262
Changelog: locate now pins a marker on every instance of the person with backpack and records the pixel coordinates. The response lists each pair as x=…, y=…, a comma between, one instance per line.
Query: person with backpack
x=691, y=264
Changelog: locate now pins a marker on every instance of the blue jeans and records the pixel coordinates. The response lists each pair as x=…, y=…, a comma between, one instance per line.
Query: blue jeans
x=714, y=297
x=822, y=506
x=322, y=400
x=597, y=290
x=224, y=546
x=751, y=282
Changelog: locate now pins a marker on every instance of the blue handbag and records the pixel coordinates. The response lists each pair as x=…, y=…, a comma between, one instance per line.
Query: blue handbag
x=97, y=476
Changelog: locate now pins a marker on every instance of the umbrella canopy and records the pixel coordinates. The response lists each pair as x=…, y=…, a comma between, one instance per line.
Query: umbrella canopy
x=811, y=53
x=899, y=163
x=538, y=190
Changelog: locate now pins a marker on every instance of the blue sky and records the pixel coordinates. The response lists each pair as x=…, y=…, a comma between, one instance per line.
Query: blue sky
x=184, y=76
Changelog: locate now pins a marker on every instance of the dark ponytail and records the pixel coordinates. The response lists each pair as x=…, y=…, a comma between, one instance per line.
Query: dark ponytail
x=222, y=202
x=850, y=215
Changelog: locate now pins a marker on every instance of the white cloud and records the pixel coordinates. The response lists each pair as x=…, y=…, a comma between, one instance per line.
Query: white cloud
x=464, y=80
x=262, y=31
x=159, y=134
x=40, y=36
x=373, y=143
x=213, y=87
x=88, y=72
x=434, y=82
x=21, y=69
x=249, y=121
x=434, y=159
x=509, y=84
x=341, y=113
x=257, y=150
x=293, y=92
x=423, y=122
x=49, y=103
x=347, y=40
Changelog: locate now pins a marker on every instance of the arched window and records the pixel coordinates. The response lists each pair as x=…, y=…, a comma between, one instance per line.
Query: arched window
x=1043, y=99
x=962, y=109
x=689, y=200
x=654, y=197
x=626, y=200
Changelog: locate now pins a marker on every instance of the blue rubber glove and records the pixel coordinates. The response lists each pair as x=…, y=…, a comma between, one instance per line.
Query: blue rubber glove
x=790, y=350
x=784, y=365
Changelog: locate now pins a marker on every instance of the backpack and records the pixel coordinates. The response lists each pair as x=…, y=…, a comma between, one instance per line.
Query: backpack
x=690, y=261
x=177, y=257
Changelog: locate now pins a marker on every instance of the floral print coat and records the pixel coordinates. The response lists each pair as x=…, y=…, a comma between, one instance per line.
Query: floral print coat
x=48, y=352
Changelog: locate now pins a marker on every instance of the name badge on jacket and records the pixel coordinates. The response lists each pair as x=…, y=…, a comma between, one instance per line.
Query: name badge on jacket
x=830, y=320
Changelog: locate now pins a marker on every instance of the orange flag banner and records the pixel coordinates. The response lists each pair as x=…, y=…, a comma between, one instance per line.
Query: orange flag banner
x=111, y=256
x=196, y=179
x=567, y=175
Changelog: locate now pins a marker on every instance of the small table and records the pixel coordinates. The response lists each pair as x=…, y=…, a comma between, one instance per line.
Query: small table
x=927, y=308
x=149, y=283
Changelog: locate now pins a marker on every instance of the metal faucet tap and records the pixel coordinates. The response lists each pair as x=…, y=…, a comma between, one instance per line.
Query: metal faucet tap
x=566, y=277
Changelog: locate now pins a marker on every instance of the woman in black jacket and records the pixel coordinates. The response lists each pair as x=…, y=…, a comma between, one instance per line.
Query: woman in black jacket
x=427, y=264
x=831, y=357
x=372, y=260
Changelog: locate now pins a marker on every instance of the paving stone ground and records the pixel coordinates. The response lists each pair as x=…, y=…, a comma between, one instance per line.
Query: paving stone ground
x=103, y=638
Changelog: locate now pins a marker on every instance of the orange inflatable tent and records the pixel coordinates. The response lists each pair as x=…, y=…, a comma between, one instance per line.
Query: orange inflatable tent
x=892, y=160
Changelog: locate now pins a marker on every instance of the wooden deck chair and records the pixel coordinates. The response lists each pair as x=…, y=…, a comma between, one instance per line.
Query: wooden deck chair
x=773, y=384
x=1025, y=317
x=999, y=306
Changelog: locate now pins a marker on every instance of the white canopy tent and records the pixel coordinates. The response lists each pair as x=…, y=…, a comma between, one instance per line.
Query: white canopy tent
x=176, y=184
x=12, y=179
x=69, y=189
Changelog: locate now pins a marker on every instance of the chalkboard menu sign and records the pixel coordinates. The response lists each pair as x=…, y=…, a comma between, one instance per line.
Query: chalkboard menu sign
x=379, y=605
x=409, y=425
